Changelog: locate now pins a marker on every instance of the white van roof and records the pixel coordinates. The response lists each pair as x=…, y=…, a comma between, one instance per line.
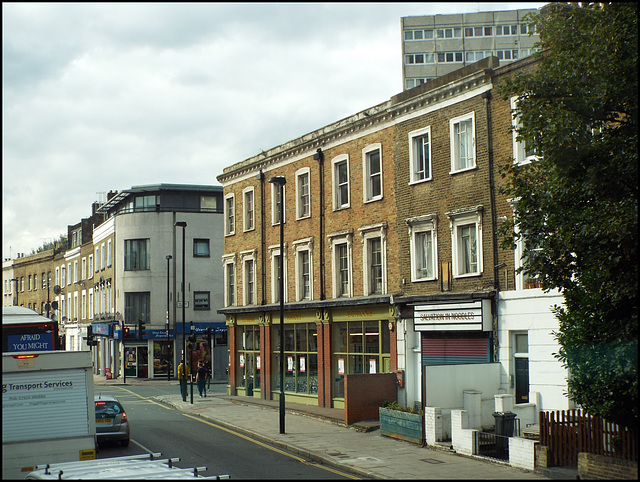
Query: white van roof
x=145, y=466
x=20, y=314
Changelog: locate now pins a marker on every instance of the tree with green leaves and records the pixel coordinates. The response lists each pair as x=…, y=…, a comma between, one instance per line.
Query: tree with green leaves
x=576, y=206
x=47, y=245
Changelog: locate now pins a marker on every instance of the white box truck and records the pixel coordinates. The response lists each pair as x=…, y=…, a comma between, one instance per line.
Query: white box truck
x=48, y=411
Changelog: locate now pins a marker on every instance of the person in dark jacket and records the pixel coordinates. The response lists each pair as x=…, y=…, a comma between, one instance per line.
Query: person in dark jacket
x=201, y=379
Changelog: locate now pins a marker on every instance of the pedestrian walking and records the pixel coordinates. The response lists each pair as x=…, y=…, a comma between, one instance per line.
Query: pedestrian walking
x=183, y=371
x=201, y=379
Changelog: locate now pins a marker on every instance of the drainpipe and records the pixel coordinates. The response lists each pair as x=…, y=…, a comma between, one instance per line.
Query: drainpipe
x=260, y=177
x=494, y=241
x=492, y=191
x=319, y=156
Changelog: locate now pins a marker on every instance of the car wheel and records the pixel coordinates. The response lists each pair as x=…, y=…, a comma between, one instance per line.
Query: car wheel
x=125, y=443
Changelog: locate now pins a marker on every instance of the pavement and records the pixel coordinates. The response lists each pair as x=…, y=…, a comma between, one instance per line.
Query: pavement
x=320, y=434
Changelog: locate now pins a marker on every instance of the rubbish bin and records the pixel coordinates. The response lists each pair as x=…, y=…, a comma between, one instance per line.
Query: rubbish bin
x=504, y=429
x=505, y=422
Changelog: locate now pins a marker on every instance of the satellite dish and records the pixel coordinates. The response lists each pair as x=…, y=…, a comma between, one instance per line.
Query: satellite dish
x=57, y=290
x=54, y=305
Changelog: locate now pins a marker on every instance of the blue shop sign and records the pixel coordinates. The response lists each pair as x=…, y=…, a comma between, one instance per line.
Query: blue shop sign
x=102, y=329
x=147, y=334
x=199, y=328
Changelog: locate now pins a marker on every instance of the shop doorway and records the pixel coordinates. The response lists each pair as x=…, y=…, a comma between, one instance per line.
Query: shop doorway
x=162, y=356
x=136, y=362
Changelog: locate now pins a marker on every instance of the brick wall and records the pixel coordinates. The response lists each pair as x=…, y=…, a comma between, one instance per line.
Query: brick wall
x=433, y=425
x=522, y=453
x=365, y=393
x=599, y=467
x=463, y=439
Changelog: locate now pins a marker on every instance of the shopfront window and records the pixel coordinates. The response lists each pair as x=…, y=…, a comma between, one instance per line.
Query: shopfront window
x=249, y=363
x=300, y=358
x=359, y=347
x=162, y=356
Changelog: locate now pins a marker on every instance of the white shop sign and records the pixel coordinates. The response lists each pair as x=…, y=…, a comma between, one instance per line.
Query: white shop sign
x=461, y=316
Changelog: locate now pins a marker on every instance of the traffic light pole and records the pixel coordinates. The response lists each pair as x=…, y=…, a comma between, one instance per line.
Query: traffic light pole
x=124, y=356
x=191, y=346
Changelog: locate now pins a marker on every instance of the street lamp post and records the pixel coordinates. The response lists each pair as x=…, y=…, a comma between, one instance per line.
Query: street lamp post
x=183, y=225
x=280, y=181
x=169, y=258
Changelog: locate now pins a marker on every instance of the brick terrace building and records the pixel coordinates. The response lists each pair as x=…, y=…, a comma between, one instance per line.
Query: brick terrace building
x=390, y=217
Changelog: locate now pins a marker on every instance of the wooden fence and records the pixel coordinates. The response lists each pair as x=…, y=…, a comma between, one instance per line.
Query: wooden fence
x=569, y=432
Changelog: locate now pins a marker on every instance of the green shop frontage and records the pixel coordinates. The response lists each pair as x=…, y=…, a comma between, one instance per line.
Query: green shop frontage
x=323, y=342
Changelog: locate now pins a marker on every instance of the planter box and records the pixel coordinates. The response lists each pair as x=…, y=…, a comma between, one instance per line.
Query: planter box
x=401, y=425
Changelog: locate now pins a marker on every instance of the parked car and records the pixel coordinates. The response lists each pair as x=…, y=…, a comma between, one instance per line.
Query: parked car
x=112, y=424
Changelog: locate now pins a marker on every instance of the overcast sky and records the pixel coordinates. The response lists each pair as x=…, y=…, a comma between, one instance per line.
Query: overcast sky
x=99, y=97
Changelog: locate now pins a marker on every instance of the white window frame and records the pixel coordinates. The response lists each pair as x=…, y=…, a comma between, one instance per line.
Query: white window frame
x=413, y=155
x=520, y=156
x=229, y=264
x=303, y=246
x=75, y=305
x=366, y=173
x=367, y=233
x=90, y=267
x=454, y=149
x=342, y=238
x=336, y=163
x=274, y=253
x=109, y=297
x=248, y=209
x=75, y=271
x=249, y=257
x=300, y=194
x=102, y=256
x=109, y=253
x=229, y=217
x=63, y=276
x=275, y=208
x=457, y=221
x=97, y=258
x=90, y=307
x=84, y=304
x=419, y=225
x=84, y=269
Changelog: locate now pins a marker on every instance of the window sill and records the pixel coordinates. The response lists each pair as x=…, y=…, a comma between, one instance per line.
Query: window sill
x=421, y=280
x=459, y=171
x=342, y=208
x=420, y=181
x=466, y=275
